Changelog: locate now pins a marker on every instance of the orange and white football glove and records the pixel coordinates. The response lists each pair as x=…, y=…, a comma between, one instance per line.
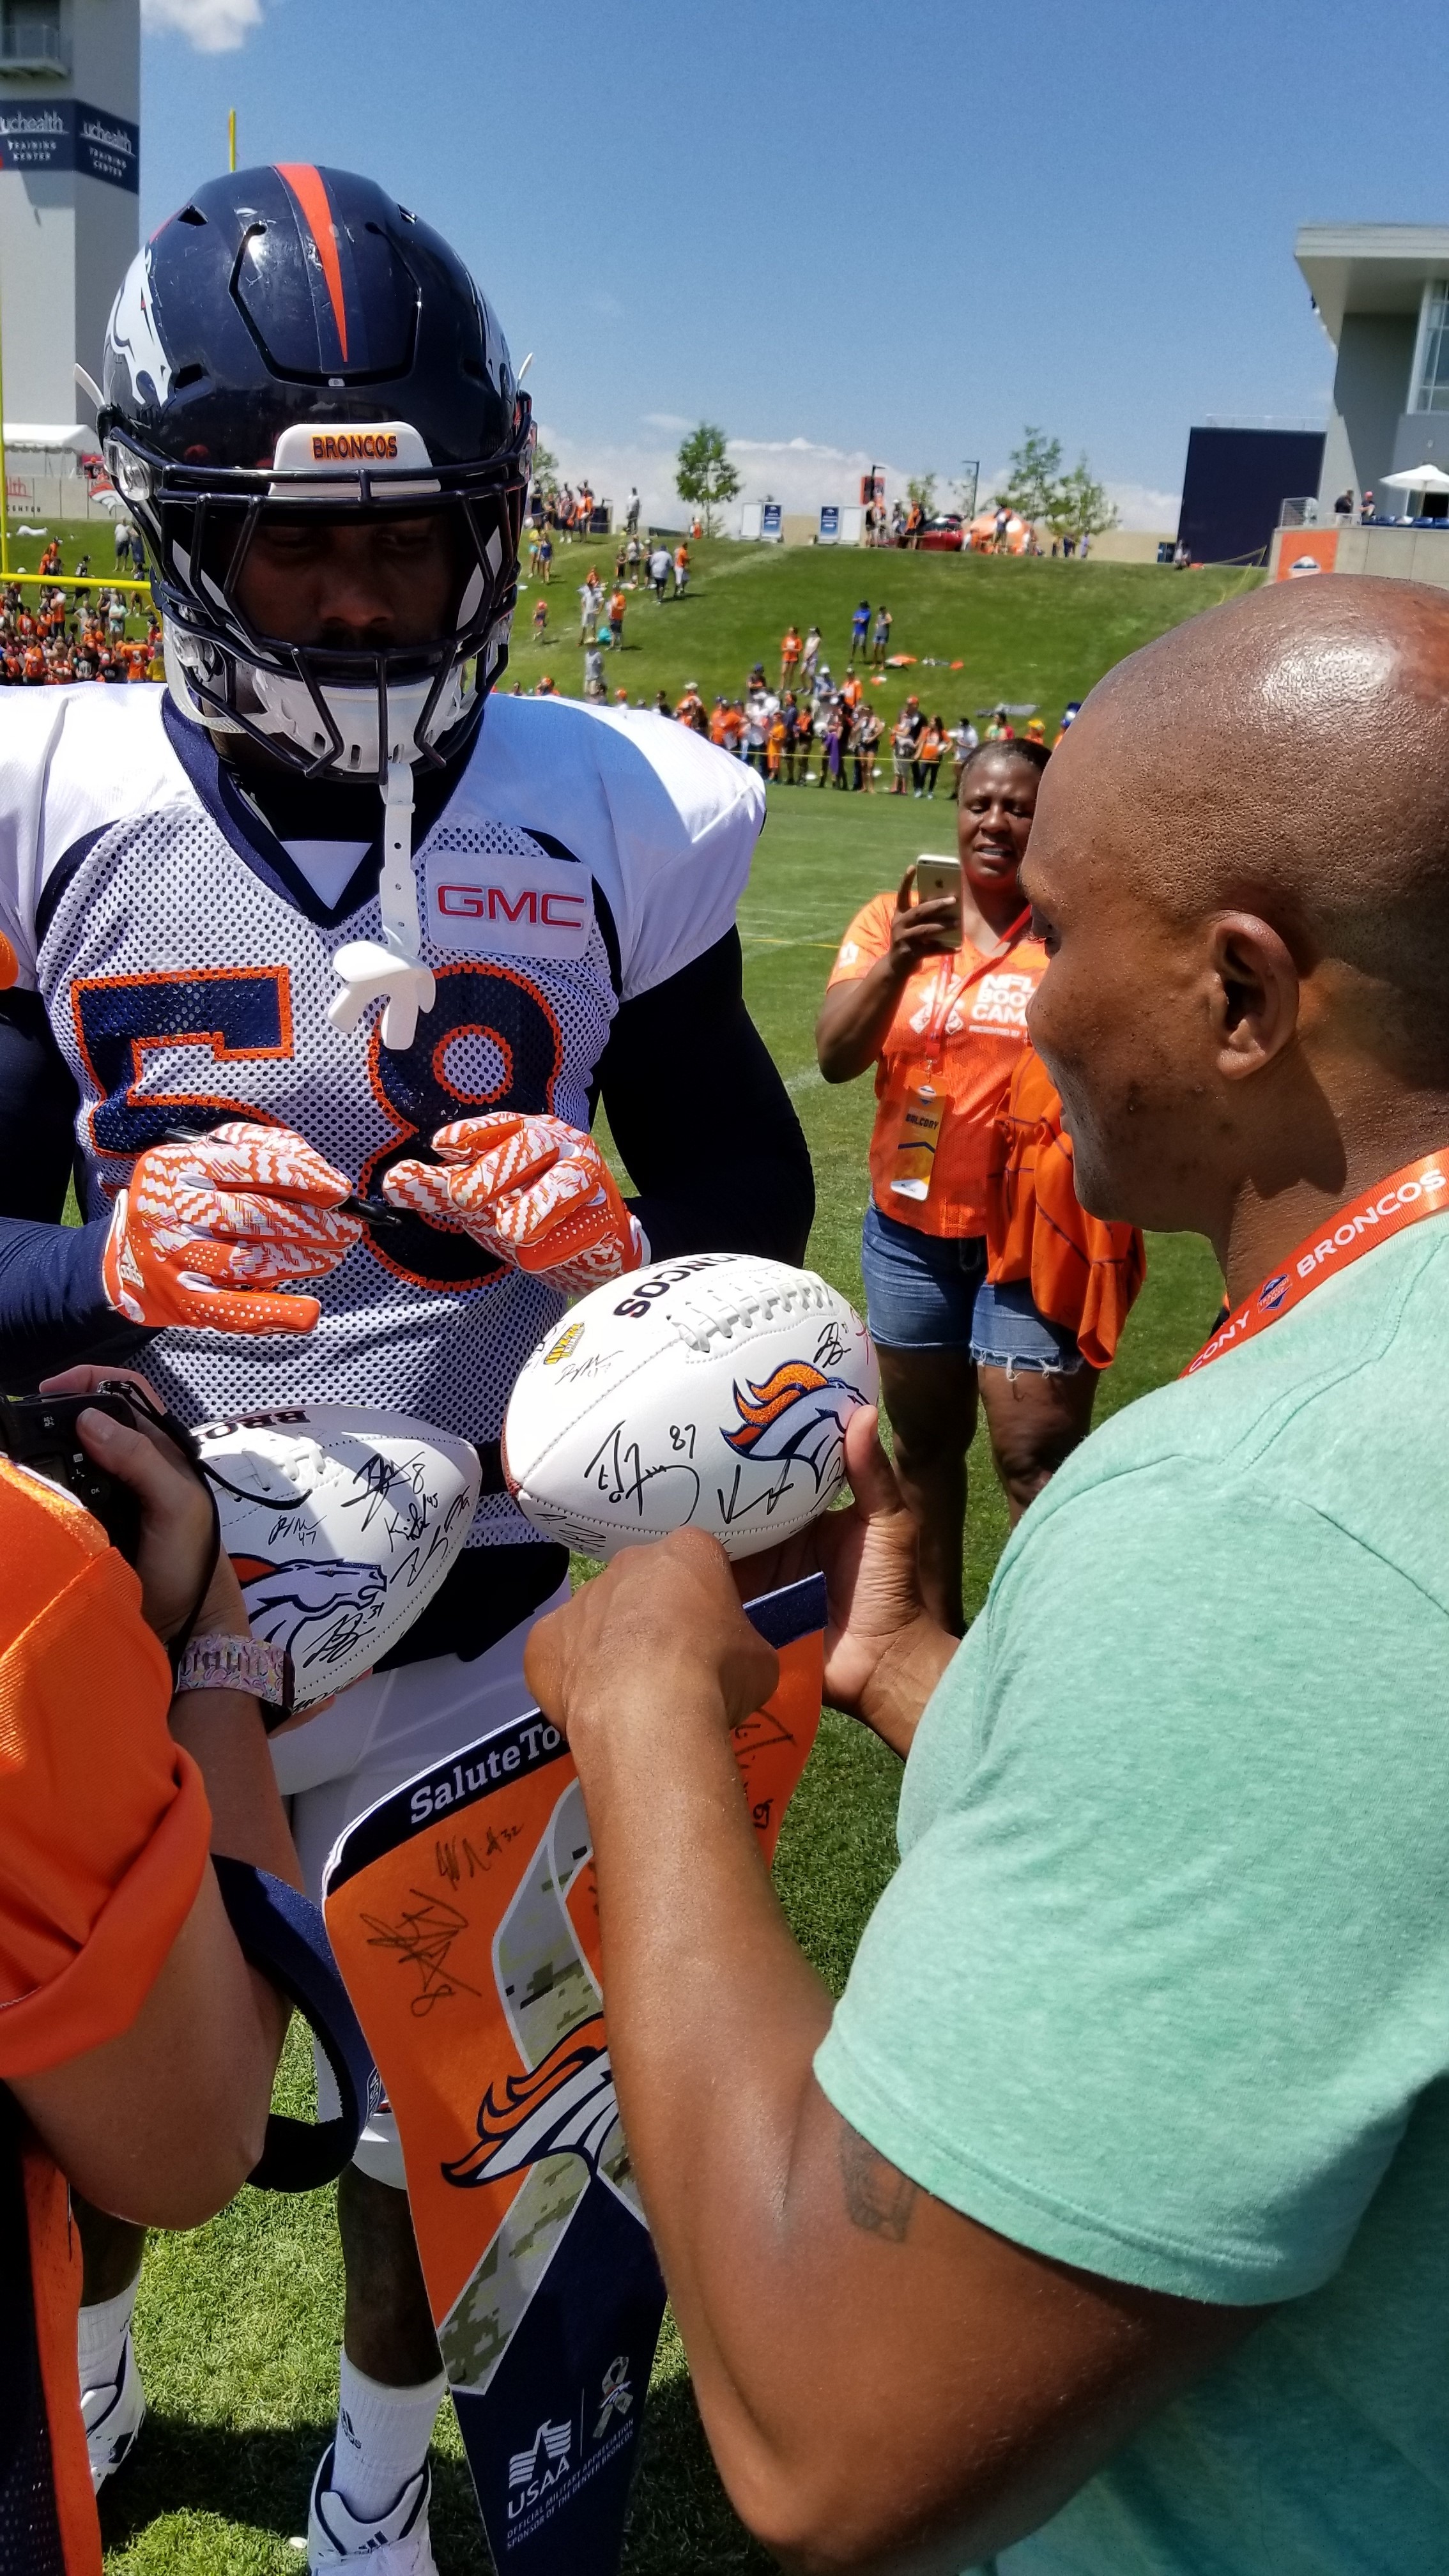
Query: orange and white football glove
x=206, y=1233
x=532, y=1191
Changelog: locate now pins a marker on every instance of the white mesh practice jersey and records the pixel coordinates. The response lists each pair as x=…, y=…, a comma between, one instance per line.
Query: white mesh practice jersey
x=186, y=967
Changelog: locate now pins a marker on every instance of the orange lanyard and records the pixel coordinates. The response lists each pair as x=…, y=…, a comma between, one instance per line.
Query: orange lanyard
x=1418, y=1190
x=949, y=988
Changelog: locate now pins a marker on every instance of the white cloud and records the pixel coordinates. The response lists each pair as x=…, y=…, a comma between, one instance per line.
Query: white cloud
x=212, y=26
x=1140, y=506
x=803, y=472
x=799, y=472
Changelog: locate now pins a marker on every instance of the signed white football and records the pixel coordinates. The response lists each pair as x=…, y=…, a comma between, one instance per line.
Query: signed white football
x=342, y=1521
x=711, y=1391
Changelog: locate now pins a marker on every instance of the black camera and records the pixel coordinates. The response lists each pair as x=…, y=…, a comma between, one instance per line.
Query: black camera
x=39, y=1431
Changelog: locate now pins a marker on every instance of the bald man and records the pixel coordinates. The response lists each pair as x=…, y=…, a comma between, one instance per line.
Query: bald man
x=1103, y=2225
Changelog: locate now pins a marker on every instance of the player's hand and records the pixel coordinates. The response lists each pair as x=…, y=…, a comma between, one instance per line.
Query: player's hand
x=532, y=1191
x=206, y=1233
x=658, y=1634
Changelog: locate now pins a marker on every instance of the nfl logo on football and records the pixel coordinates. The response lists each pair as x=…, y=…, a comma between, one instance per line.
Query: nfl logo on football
x=1273, y=1292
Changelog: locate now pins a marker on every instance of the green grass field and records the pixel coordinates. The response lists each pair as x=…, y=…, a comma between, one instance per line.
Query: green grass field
x=238, y=2323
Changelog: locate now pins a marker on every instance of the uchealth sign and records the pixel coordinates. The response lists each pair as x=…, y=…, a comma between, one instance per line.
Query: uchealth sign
x=66, y=134
x=509, y=905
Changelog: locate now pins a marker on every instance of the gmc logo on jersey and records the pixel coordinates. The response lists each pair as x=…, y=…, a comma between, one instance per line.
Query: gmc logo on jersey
x=523, y=903
x=540, y=904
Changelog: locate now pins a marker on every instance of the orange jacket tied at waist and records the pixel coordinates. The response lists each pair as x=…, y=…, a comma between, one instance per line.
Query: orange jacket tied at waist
x=1084, y=1274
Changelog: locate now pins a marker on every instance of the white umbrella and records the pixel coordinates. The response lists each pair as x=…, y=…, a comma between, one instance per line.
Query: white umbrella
x=1416, y=478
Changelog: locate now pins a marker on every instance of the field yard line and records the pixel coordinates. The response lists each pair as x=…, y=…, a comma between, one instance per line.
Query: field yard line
x=809, y=1078
x=750, y=939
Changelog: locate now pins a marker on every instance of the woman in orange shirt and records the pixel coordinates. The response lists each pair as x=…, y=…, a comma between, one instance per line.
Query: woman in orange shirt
x=943, y=1024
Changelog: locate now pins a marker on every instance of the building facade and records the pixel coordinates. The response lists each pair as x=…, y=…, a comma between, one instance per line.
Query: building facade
x=1381, y=292
x=70, y=145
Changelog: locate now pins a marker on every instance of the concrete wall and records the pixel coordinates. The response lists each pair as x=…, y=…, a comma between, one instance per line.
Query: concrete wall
x=1390, y=554
x=1370, y=389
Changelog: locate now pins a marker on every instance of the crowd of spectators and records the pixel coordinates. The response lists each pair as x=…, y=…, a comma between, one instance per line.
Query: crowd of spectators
x=54, y=636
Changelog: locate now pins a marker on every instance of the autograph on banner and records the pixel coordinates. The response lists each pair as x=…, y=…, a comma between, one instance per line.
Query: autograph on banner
x=463, y=1911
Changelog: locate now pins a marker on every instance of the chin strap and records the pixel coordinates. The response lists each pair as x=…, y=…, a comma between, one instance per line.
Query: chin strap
x=391, y=972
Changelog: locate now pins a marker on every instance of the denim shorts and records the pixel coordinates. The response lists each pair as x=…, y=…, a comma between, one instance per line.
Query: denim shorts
x=929, y=1292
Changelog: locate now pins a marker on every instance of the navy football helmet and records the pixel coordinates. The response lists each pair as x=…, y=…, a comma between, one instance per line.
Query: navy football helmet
x=295, y=340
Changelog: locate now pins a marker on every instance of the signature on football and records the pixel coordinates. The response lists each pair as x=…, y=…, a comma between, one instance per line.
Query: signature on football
x=617, y=1471
x=397, y=1487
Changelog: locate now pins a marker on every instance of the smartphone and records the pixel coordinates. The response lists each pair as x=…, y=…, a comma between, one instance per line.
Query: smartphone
x=938, y=878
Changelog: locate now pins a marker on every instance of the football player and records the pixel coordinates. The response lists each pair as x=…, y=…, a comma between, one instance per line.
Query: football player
x=300, y=929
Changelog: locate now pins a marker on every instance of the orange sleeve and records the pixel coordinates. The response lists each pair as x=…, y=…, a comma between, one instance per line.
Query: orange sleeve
x=1083, y=1273
x=104, y=1824
x=868, y=938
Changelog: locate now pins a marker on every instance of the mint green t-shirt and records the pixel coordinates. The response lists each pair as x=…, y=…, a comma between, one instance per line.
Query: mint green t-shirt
x=1161, y=1986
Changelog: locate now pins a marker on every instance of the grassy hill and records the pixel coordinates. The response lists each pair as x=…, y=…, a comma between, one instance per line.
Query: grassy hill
x=1024, y=631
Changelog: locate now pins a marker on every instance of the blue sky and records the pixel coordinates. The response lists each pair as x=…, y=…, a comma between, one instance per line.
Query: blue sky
x=842, y=230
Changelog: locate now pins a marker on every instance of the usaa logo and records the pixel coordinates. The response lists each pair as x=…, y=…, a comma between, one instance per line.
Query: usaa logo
x=1273, y=1292
x=545, y=2462
x=567, y=1341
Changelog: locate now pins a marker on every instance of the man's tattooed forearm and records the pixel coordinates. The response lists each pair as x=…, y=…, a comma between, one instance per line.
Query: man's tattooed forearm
x=877, y=2197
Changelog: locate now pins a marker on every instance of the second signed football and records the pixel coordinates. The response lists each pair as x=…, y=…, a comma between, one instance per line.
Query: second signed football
x=710, y=1392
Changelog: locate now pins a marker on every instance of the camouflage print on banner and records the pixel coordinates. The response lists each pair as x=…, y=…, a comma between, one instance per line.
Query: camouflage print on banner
x=463, y=1912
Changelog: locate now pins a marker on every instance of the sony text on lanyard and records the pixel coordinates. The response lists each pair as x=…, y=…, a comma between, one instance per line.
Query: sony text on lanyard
x=1407, y=1196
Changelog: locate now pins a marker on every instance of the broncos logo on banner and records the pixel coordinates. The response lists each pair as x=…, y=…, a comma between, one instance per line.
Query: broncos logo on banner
x=564, y=2106
x=795, y=1414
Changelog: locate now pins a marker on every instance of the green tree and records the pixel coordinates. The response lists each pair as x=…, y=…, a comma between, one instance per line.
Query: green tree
x=545, y=468
x=1031, y=482
x=704, y=475
x=1080, y=507
x=922, y=490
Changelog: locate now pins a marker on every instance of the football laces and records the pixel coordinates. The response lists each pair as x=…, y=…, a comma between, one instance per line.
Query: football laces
x=713, y=1314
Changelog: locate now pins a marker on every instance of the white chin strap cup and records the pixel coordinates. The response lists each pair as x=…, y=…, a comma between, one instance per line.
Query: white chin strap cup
x=393, y=972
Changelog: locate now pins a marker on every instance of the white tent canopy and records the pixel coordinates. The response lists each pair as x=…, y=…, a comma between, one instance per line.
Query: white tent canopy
x=1415, y=478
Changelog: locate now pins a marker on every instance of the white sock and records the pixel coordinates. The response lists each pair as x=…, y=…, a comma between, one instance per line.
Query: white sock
x=382, y=2438
x=101, y=2337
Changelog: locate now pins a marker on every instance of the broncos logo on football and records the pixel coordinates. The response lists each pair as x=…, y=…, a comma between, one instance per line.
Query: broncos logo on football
x=313, y=1611
x=795, y=1414
x=564, y=2106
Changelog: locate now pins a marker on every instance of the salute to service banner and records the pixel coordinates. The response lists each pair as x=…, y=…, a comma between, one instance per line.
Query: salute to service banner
x=463, y=1912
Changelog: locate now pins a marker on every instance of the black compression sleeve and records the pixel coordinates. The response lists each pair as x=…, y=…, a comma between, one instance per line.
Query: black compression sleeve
x=53, y=1309
x=703, y=1120
x=38, y=1102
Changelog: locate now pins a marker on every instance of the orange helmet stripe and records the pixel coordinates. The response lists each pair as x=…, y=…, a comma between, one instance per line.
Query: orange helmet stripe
x=306, y=186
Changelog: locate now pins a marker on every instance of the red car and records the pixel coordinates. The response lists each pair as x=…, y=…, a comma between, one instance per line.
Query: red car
x=944, y=534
